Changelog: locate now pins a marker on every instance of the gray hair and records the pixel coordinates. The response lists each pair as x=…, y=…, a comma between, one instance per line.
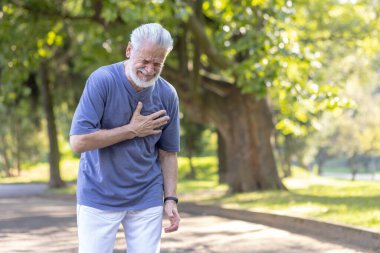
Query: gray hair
x=152, y=33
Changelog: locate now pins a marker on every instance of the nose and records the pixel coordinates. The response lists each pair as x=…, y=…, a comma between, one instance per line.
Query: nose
x=149, y=68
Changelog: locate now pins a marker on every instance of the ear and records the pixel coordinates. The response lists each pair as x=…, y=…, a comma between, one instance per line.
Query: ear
x=128, y=50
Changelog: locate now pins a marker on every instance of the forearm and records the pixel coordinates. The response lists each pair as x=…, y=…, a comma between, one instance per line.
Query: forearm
x=102, y=138
x=169, y=165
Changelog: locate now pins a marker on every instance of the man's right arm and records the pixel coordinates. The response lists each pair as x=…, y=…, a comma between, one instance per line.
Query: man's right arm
x=100, y=139
x=140, y=126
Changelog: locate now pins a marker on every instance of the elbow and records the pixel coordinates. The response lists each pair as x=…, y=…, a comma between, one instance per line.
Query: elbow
x=77, y=144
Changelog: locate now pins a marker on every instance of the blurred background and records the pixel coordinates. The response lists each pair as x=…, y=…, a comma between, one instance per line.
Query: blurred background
x=277, y=97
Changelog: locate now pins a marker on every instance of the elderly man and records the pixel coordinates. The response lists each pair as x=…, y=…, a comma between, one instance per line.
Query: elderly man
x=126, y=127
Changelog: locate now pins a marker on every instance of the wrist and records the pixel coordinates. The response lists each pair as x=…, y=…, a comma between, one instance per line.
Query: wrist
x=130, y=131
x=173, y=198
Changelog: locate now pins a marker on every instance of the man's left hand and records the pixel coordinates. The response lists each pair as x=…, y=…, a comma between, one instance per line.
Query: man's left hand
x=171, y=212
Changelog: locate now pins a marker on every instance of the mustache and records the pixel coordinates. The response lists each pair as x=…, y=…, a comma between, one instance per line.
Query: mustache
x=144, y=72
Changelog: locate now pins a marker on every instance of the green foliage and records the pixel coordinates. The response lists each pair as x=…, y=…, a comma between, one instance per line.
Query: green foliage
x=206, y=168
x=197, y=139
x=303, y=93
x=335, y=38
x=254, y=37
x=353, y=63
x=19, y=132
x=301, y=54
x=191, y=138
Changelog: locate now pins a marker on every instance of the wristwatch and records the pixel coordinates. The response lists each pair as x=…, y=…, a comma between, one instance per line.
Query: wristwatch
x=171, y=198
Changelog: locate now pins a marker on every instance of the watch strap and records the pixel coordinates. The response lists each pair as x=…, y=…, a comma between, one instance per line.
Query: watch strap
x=171, y=198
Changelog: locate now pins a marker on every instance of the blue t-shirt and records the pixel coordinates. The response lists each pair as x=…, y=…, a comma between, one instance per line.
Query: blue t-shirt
x=126, y=175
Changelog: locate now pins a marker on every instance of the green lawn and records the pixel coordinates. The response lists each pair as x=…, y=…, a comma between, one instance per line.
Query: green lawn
x=39, y=173
x=342, y=201
x=353, y=203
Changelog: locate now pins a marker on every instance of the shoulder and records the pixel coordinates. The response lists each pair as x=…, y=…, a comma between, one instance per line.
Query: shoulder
x=165, y=89
x=102, y=77
x=102, y=74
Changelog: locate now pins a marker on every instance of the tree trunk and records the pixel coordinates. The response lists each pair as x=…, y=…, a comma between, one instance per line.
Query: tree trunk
x=192, y=174
x=247, y=133
x=222, y=159
x=287, y=166
x=321, y=159
x=244, y=122
x=352, y=161
x=17, y=146
x=245, y=125
x=54, y=156
x=7, y=163
x=189, y=145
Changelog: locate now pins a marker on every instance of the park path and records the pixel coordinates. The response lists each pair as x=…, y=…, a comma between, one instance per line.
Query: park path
x=43, y=223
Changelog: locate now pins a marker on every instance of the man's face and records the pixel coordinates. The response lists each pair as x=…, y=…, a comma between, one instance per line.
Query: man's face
x=145, y=64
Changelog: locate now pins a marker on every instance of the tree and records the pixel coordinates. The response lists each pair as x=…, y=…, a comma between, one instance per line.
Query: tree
x=31, y=59
x=254, y=163
x=20, y=122
x=245, y=121
x=228, y=58
x=337, y=35
x=348, y=47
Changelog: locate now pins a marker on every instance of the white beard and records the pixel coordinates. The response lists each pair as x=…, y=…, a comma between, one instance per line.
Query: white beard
x=139, y=82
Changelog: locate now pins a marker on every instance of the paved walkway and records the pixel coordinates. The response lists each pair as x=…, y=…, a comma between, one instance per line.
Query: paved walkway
x=46, y=224
x=21, y=190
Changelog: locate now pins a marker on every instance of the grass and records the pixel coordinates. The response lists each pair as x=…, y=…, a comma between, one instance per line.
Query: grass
x=353, y=203
x=39, y=173
x=206, y=167
x=342, y=201
x=347, y=202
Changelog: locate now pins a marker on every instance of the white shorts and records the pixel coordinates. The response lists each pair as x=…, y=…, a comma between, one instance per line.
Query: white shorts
x=97, y=229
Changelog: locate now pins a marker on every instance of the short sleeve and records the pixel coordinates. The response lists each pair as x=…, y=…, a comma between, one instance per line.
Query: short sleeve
x=89, y=112
x=170, y=136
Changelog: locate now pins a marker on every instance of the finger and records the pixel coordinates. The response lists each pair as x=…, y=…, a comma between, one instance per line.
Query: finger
x=174, y=224
x=155, y=115
x=161, y=121
x=171, y=228
x=174, y=218
x=138, y=108
x=156, y=131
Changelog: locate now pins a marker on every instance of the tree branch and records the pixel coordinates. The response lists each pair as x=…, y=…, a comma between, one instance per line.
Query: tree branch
x=58, y=13
x=209, y=82
x=199, y=33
